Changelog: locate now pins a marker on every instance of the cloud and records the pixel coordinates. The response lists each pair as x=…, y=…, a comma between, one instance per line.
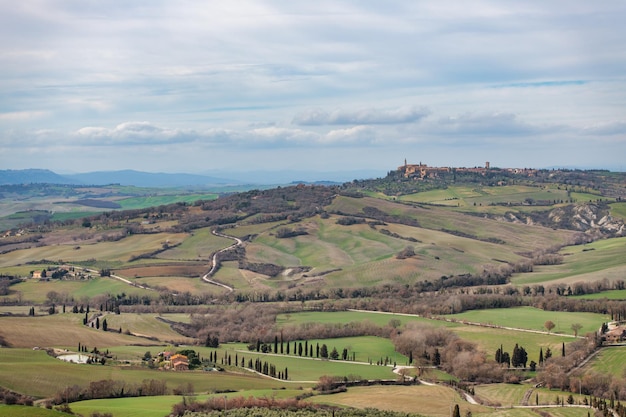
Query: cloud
x=361, y=135
x=486, y=124
x=275, y=75
x=607, y=129
x=370, y=116
x=22, y=116
x=133, y=133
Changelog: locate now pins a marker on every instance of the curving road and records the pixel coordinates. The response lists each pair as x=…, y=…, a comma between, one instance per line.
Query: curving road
x=206, y=277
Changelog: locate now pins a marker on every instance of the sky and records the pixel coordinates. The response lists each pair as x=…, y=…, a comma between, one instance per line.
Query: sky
x=325, y=86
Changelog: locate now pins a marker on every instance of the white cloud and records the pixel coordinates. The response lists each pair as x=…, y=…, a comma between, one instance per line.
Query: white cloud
x=220, y=75
x=369, y=116
x=23, y=116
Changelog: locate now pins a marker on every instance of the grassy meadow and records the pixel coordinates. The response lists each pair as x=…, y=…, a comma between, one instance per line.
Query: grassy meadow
x=162, y=405
x=610, y=361
x=533, y=319
x=364, y=348
x=118, y=252
x=516, y=237
x=133, y=203
x=603, y=259
x=488, y=339
x=38, y=374
x=35, y=291
x=25, y=411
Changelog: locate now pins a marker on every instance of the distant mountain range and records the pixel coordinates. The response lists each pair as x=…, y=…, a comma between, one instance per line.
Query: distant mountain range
x=126, y=177
x=161, y=180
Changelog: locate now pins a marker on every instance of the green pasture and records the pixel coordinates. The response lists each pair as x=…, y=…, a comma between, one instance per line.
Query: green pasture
x=364, y=348
x=71, y=215
x=230, y=274
x=302, y=370
x=583, y=263
x=517, y=237
x=490, y=339
x=200, y=245
x=36, y=291
x=610, y=360
x=120, y=251
x=162, y=405
x=344, y=317
x=26, y=411
x=608, y=295
x=40, y=375
x=246, y=229
x=158, y=406
x=583, y=197
x=533, y=319
x=365, y=256
x=619, y=210
x=334, y=245
x=161, y=200
x=478, y=198
x=144, y=325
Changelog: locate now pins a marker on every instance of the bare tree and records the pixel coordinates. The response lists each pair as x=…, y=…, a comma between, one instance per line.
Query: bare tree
x=576, y=327
x=549, y=325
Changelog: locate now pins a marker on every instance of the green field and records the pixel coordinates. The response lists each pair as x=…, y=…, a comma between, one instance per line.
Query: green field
x=364, y=348
x=619, y=210
x=533, y=319
x=517, y=237
x=489, y=339
x=342, y=317
x=609, y=295
x=485, y=199
x=36, y=373
x=200, y=245
x=610, y=360
x=162, y=405
x=35, y=291
x=360, y=256
x=120, y=251
x=24, y=411
x=161, y=200
x=603, y=259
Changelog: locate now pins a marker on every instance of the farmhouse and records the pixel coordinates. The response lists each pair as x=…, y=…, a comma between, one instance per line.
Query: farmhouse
x=179, y=362
x=616, y=334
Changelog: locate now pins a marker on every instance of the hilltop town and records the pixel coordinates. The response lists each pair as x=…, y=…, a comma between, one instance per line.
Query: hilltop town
x=421, y=171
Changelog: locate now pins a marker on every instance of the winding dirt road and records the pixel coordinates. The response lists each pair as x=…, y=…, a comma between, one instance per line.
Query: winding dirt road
x=207, y=277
